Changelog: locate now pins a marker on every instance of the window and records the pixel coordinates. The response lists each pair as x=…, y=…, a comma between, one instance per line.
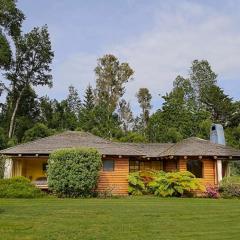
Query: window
x=108, y=165
x=134, y=166
x=195, y=167
x=44, y=167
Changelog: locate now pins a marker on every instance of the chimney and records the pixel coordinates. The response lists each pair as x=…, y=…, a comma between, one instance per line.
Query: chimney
x=217, y=134
x=217, y=137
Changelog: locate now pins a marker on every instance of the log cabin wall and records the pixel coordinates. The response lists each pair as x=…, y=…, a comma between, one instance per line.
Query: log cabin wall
x=209, y=172
x=115, y=181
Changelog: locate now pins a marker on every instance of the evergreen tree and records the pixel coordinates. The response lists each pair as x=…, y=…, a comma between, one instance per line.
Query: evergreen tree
x=144, y=99
x=73, y=101
x=89, y=100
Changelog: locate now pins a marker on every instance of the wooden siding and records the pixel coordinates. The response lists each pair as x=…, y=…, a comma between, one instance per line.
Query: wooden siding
x=209, y=172
x=115, y=181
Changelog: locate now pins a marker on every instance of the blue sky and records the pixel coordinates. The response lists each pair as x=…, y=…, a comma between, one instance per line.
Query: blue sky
x=159, y=39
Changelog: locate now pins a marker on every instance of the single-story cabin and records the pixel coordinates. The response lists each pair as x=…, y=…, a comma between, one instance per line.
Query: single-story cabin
x=206, y=160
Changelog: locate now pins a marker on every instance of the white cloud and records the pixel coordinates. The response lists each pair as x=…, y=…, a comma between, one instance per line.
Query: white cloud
x=181, y=35
x=182, y=32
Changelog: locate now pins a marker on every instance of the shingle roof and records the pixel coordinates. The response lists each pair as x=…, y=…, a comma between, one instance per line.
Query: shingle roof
x=188, y=147
x=150, y=149
x=71, y=139
x=199, y=147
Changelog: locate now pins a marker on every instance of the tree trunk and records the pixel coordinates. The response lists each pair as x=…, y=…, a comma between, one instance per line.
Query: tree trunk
x=10, y=132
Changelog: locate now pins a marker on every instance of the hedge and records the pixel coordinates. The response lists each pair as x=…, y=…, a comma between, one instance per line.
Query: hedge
x=18, y=187
x=74, y=172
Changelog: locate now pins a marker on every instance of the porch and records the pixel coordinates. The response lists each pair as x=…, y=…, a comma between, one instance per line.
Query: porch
x=33, y=168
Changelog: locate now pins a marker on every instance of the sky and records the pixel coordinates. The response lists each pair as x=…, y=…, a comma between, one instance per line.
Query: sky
x=159, y=39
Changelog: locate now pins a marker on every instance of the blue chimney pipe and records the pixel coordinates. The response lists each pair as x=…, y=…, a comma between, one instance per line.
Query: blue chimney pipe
x=217, y=134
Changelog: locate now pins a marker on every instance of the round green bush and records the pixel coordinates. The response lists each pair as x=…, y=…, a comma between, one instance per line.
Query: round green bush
x=74, y=172
x=230, y=187
x=18, y=187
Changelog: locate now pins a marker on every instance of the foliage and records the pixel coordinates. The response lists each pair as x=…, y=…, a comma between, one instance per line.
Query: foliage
x=18, y=187
x=111, y=77
x=39, y=130
x=136, y=184
x=144, y=99
x=30, y=67
x=163, y=184
x=73, y=172
x=174, y=184
x=212, y=192
x=125, y=115
x=3, y=139
x=230, y=187
x=133, y=137
x=11, y=19
x=73, y=100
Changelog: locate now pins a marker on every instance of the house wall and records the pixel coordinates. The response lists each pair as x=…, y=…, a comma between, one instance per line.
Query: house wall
x=115, y=181
x=209, y=171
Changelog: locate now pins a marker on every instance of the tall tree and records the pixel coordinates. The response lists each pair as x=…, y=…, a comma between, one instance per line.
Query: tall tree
x=10, y=28
x=202, y=77
x=218, y=104
x=144, y=99
x=125, y=115
x=73, y=100
x=86, y=115
x=30, y=66
x=111, y=77
x=89, y=100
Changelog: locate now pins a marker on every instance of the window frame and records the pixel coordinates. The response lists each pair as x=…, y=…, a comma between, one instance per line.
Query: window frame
x=138, y=164
x=113, y=165
x=202, y=167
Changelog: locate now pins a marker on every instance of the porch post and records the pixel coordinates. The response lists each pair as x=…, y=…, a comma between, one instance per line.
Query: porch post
x=8, y=168
x=219, y=171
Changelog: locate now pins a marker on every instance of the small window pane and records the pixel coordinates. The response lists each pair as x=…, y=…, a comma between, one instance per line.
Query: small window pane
x=134, y=166
x=108, y=165
x=195, y=167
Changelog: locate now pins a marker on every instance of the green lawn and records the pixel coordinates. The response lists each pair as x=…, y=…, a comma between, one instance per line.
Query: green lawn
x=121, y=219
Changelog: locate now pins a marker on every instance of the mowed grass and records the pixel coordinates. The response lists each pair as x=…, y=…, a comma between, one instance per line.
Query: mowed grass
x=122, y=219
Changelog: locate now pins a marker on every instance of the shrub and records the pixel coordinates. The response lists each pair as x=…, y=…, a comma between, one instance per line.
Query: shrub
x=18, y=187
x=175, y=184
x=230, y=187
x=212, y=192
x=74, y=172
x=136, y=185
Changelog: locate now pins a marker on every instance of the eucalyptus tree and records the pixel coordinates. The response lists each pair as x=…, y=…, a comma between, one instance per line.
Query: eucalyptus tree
x=125, y=115
x=30, y=67
x=144, y=99
x=111, y=77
